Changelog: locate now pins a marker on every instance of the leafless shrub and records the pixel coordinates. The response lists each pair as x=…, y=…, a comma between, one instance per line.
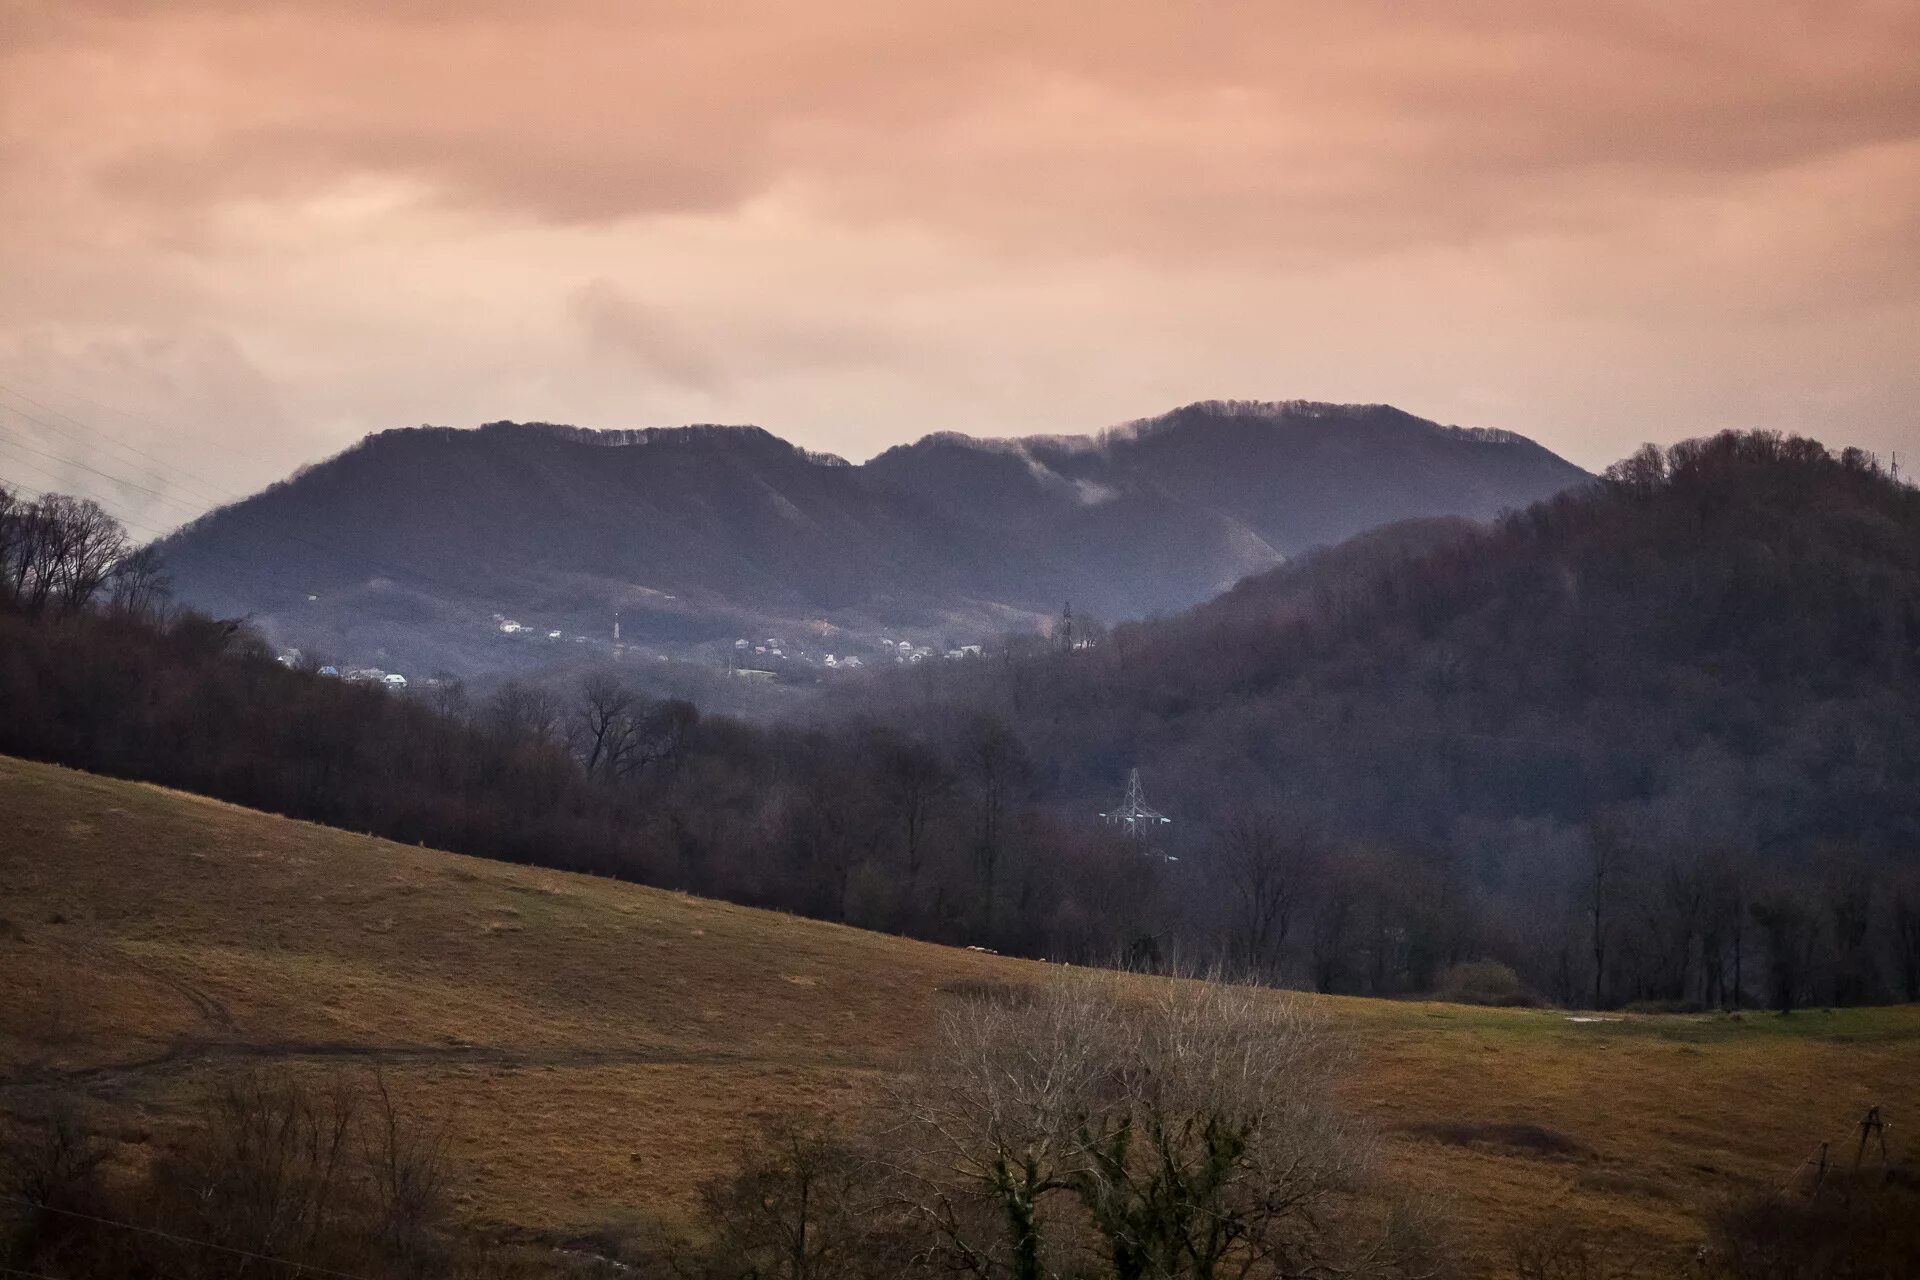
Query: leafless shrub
x=50, y=1162
x=801, y=1204
x=1486, y=982
x=277, y=1168
x=407, y=1165
x=1865, y=1226
x=1557, y=1247
x=269, y=1168
x=990, y=991
x=1182, y=1129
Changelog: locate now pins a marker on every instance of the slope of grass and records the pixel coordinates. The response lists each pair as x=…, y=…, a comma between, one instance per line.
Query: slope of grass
x=598, y=1046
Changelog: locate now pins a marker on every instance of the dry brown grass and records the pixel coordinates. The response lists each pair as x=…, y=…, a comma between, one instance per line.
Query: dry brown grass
x=600, y=1047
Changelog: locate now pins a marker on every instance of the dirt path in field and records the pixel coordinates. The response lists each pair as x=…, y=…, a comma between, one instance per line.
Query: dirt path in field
x=188, y=1054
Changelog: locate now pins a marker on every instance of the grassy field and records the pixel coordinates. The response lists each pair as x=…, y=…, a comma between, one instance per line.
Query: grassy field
x=597, y=1046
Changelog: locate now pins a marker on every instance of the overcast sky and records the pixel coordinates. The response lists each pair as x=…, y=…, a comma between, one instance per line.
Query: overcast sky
x=267, y=228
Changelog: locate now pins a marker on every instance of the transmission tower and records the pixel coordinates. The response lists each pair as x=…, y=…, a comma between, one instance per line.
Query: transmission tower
x=1135, y=815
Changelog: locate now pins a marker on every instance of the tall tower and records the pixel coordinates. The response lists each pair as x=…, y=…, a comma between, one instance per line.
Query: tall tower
x=1135, y=815
x=616, y=626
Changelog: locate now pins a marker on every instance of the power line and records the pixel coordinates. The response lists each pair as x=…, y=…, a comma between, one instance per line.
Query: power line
x=304, y=591
x=198, y=512
x=217, y=495
x=31, y=1275
x=248, y=520
x=178, y=1239
x=287, y=583
x=41, y=493
x=20, y=442
x=138, y=419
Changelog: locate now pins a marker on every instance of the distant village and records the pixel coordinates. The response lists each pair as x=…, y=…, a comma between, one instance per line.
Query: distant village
x=770, y=659
x=750, y=658
x=296, y=659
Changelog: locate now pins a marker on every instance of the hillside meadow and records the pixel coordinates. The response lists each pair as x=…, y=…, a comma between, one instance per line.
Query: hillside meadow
x=598, y=1048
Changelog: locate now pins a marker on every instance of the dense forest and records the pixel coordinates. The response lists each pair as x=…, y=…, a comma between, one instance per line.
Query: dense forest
x=1649, y=740
x=1628, y=739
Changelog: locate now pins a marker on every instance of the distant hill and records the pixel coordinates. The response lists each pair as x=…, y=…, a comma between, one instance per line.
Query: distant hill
x=1718, y=645
x=411, y=542
x=1624, y=739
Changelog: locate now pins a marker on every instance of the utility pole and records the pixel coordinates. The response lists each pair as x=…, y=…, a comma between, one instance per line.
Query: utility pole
x=1872, y=1126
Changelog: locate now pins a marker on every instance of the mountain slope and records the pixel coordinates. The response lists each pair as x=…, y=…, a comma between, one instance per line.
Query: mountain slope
x=597, y=1047
x=1747, y=597
x=1627, y=740
x=411, y=542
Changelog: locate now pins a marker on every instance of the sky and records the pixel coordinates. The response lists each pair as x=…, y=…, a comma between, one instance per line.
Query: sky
x=238, y=235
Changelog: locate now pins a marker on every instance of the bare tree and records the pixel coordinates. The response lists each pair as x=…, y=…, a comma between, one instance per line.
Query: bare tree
x=1102, y=1126
x=1677, y=909
x=50, y=1159
x=801, y=1204
x=1332, y=922
x=272, y=1167
x=1906, y=937
x=661, y=733
x=998, y=766
x=1263, y=865
x=1787, y=927
x=407, y=1162
x=12, y=534
x=58, y=551
x=1606, y=861
x=86, y=544
x=1849, y=911
x=606, y=725
x=994, y=1125
x=522, y=713
x=912, y=780
x=139, y=583
x=1723, y=929
x=617, y=732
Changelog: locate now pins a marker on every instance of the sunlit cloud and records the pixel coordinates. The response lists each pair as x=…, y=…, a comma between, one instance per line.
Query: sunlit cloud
x=855, y=222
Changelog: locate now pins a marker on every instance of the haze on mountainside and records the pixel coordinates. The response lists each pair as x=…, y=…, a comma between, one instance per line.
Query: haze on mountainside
x=431, y=549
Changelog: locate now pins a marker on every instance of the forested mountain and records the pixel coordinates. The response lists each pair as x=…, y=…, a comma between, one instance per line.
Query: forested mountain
x=404, y=548
x=1651, y=739
x=1604, y=729
x=1729, y=630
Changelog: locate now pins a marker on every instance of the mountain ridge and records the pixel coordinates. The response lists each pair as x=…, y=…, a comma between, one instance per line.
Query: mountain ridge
x=701, y=532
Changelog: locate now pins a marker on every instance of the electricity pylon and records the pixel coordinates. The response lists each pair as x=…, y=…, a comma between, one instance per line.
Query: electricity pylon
x=1135, y=815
